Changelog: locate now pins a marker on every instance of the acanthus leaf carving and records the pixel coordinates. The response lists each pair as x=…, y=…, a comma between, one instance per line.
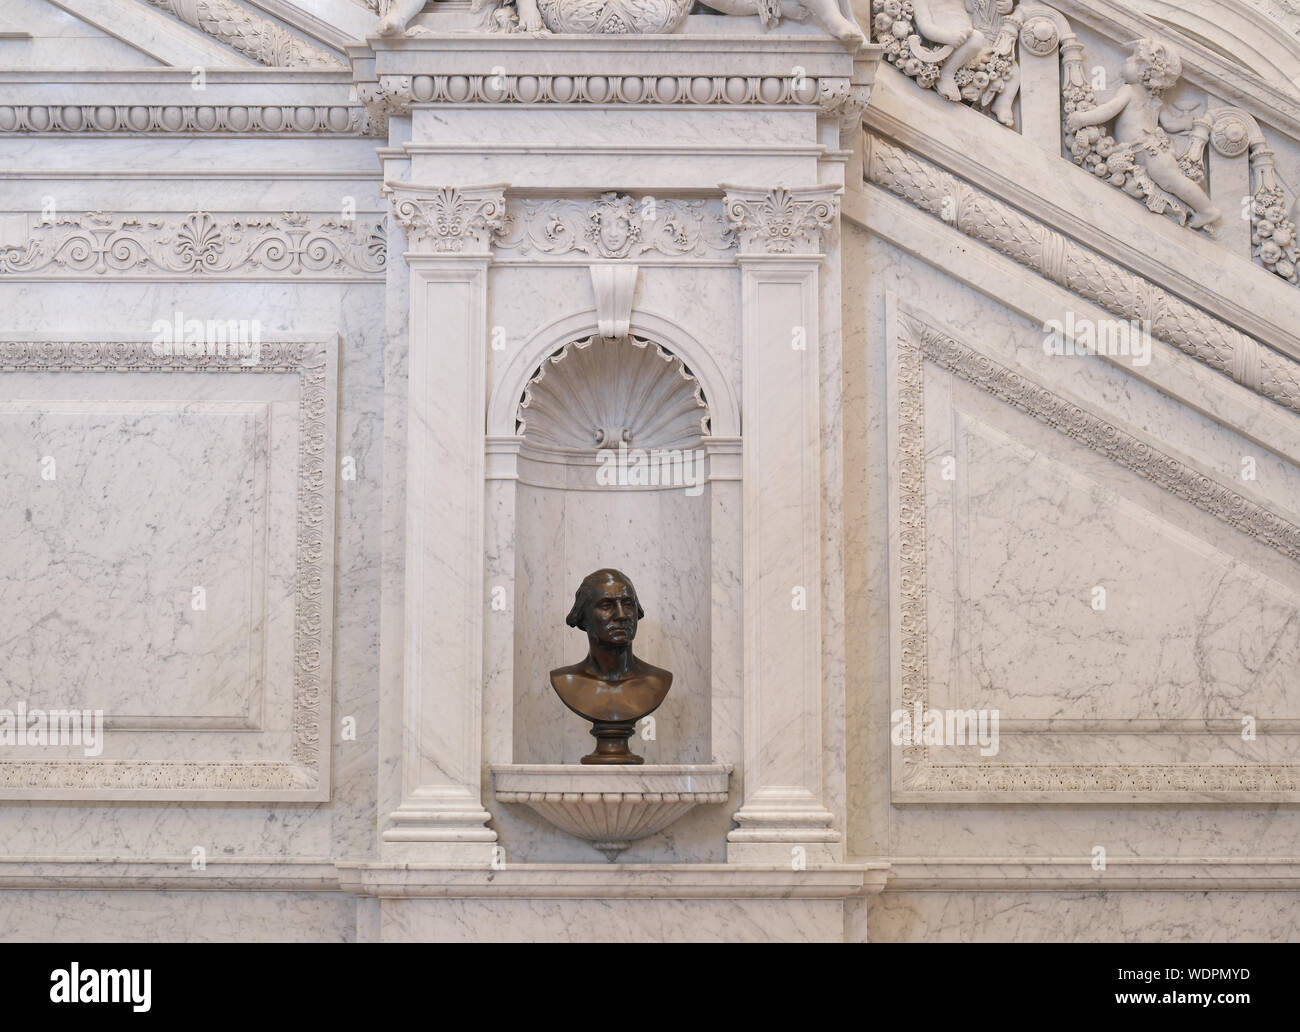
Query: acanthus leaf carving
x=198, y=244
x=843, y=100
x=449, y=220
x=782, y=220
x=256, y=37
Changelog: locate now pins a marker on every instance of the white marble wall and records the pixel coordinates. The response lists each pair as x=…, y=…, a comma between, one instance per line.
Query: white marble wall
x=1134, y=681
x=1199, y=628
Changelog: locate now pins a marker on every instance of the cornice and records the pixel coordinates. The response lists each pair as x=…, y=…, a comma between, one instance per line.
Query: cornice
x=1006, y=165
x=1085, y=272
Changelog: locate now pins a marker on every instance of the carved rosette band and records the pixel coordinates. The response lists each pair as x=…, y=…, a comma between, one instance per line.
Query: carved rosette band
x=784, y=221
x=449, y=220
x=1084, y=272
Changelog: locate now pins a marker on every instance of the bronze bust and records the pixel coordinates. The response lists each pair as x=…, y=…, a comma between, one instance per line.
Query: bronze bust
x=611, y=687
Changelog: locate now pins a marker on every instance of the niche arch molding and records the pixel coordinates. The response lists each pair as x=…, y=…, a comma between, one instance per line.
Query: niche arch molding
x=724, y=411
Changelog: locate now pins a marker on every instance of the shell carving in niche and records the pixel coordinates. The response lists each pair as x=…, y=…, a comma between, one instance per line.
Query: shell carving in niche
x=596, y=392
x=610, y=16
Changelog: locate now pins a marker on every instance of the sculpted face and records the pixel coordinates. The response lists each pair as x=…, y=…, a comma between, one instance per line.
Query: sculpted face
x=611, y=614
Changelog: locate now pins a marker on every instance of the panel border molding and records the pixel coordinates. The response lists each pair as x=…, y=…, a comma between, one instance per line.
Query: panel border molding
x=914, y=776
x=305, y=775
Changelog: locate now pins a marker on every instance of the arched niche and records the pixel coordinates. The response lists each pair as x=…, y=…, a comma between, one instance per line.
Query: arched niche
x=613, y=439
x=510, y=380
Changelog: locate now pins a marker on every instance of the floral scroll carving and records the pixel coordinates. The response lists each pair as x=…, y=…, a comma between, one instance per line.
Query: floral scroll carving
x=615, y=226
x=201, y=243
x=962, y=49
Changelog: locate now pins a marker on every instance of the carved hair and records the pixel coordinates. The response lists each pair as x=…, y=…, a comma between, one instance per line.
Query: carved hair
x=586, y=595
x=1161, y=66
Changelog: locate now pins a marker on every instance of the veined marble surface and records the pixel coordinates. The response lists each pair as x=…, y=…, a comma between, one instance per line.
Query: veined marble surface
x=768, y=593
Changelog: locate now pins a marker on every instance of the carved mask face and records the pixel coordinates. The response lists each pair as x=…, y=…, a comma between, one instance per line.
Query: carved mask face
x=615, y=229
x=611, y=616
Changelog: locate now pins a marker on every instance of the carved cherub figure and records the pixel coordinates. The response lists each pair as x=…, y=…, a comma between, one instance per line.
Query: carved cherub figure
x=835, y=16
x=949, y=22
x=1142, y=125
x=510, y=15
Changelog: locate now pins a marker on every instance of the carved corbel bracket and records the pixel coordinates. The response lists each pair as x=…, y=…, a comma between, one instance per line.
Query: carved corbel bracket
x=615, y=288
x=843, y=100
x=448, y=219
x=784, y=220
x=389, y=97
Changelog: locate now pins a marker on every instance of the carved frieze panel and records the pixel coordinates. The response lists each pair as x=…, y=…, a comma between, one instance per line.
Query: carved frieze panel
x=614, y=226
x=146, y=245
x=177, y=532
x=1064, y=601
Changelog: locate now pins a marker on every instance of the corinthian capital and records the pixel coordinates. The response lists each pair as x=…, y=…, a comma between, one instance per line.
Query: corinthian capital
x=448, y=219
x=782, y=221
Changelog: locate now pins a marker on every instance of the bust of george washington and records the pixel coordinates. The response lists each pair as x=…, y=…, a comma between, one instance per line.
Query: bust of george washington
x=610, y=687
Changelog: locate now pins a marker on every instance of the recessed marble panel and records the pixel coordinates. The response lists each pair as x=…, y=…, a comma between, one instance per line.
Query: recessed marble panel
x=173, y=539
x=1122, y=623
x=135, y=556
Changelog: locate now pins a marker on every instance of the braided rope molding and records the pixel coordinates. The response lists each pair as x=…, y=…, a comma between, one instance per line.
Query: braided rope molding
x=919, y=343
x=312, y=619
x=1083, y=272
x=259, y=38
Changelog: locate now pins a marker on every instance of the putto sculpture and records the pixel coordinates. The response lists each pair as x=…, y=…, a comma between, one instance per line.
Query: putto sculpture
x=1141, y=157
x=610, y=687
x=965, y=50
x=599, y=17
